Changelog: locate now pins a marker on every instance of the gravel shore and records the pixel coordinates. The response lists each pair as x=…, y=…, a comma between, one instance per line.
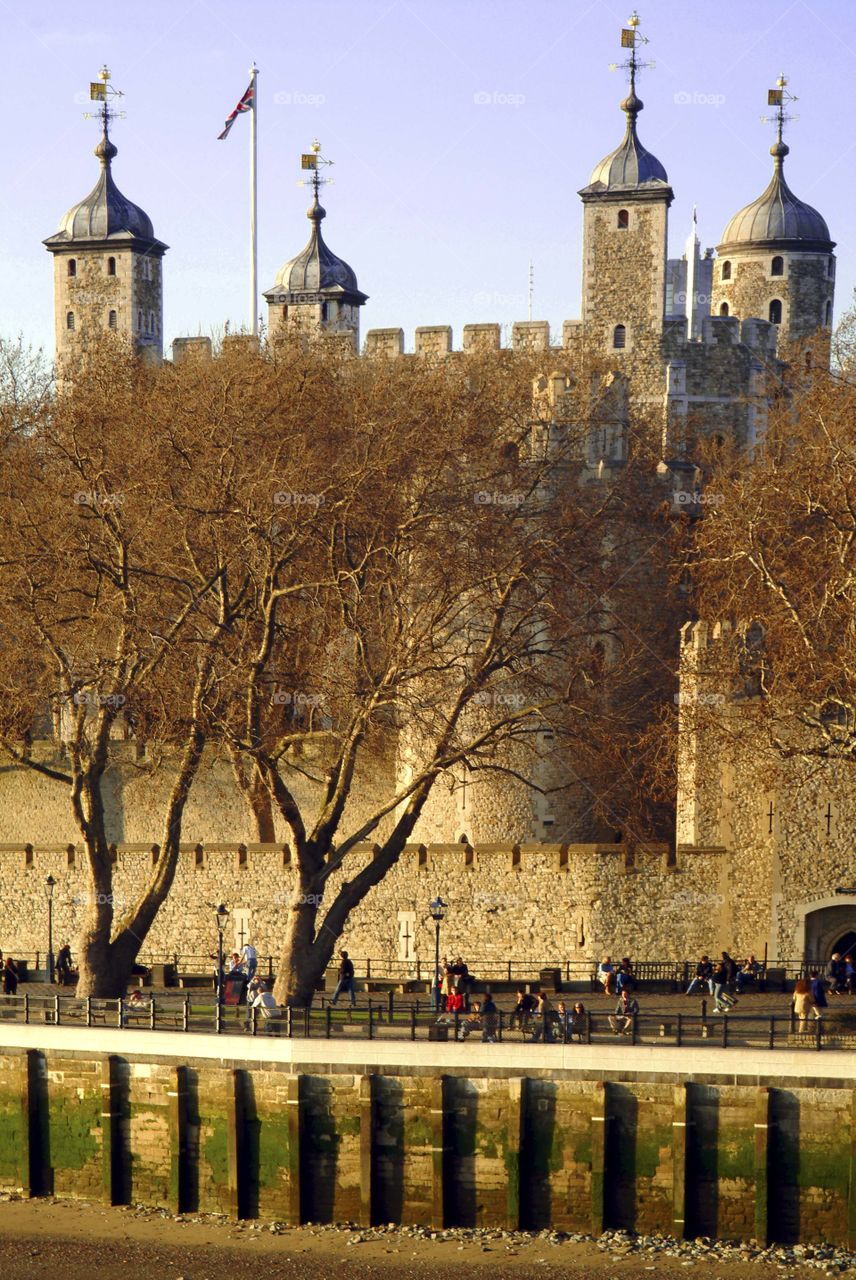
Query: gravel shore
x=44, y=1238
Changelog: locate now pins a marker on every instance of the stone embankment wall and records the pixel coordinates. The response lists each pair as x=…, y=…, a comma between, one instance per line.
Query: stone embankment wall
x=473, y=1147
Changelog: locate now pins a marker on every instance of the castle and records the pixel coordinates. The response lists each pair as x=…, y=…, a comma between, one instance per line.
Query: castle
x=701, y=344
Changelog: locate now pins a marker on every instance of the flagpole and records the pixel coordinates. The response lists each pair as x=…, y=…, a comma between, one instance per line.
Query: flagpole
x=254, y=236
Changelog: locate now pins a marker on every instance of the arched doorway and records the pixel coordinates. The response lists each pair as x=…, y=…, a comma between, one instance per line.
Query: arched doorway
x=828, y=929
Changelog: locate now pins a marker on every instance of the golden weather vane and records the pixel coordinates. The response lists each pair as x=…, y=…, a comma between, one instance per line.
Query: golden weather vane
x=313, y=161
x=632, y=38
x=780, y=98
x=103, y=92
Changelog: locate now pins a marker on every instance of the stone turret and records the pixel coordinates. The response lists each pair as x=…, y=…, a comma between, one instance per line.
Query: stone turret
x=775, y=261
x=316, y=292
x=108, y=264
x=625, y=227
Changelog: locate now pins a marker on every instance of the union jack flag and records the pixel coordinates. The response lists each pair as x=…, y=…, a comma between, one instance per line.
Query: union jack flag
x=246, y=103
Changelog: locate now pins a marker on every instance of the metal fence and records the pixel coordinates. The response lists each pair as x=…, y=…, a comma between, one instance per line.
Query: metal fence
x=417, y=1021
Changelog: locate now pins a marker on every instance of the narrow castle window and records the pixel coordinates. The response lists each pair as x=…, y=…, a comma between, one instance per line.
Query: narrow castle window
x=69, y=320
x=72, y=266
x=726, y=271
x=140, y=321
x=619, y=337
x=285, y=313
x=323, y=311
x=111, y=266
x=723, y=310
x=828, y=320
x=112, y=320
x=775, y=312
x=623, y=219
x=777, y=266
x=830, y=267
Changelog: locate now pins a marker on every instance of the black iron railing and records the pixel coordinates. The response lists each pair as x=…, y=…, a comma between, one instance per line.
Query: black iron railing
x=415, y=1020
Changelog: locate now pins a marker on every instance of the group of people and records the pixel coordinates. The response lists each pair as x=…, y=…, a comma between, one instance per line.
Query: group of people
x=536, y=1013
x=616, y=978
x=456, y=983
x=723, y=976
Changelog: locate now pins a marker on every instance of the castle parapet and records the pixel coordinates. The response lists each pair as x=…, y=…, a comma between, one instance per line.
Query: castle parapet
x=197, y=349
x=721, y=329
x=760, y=335
x=482, y=337
x=385, y=342
x=530, y=335
x=434, y=340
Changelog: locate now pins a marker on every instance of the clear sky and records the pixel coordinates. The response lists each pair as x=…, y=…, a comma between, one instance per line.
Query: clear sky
x=461, y=131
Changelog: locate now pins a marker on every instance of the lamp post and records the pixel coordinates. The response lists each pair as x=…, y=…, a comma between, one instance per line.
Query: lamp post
x=222, y=914
x=438, y=911
x=49, y=888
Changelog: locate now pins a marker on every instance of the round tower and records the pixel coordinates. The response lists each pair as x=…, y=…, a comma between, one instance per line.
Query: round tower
x=315, y=292
x=107, y=261
x=775, y=261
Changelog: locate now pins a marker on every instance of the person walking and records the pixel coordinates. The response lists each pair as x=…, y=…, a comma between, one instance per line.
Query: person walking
x=489, y=1019
x=819, y=1002
x=63, y=965
x=802, y=1002
x=346, y=979
x=10, y=977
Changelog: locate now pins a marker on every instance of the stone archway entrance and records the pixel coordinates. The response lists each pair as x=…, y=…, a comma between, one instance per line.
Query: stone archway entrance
x=830, y=929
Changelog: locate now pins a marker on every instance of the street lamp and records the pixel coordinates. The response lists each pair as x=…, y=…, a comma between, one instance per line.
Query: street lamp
x=49, y=888
x=438, y=911
x=222, y=914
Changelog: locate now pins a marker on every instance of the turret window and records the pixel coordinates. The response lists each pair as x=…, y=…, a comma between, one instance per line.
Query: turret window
x=777, y=266
x=139, y=322
x=623, y=219
x=112, y=320
x=830, y=268
x=828, y=320
x=723, y=309
x=619, y=337
x=111, y=266
x=69, y=320
x=775, y=315
x=72, y=266
x=726, y=271
x=323, y=311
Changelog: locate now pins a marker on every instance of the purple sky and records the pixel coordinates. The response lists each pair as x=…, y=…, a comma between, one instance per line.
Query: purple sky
x=461, y=131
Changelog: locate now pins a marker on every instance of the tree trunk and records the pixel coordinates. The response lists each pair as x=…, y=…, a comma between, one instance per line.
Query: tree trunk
x=304, y=959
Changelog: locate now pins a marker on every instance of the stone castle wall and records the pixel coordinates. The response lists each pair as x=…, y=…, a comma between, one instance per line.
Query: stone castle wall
x=528, y=903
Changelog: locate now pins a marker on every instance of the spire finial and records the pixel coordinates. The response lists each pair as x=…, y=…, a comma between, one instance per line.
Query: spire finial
x=313, y=160
x=104, y=93
x=779, y=98
x=631, y=39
